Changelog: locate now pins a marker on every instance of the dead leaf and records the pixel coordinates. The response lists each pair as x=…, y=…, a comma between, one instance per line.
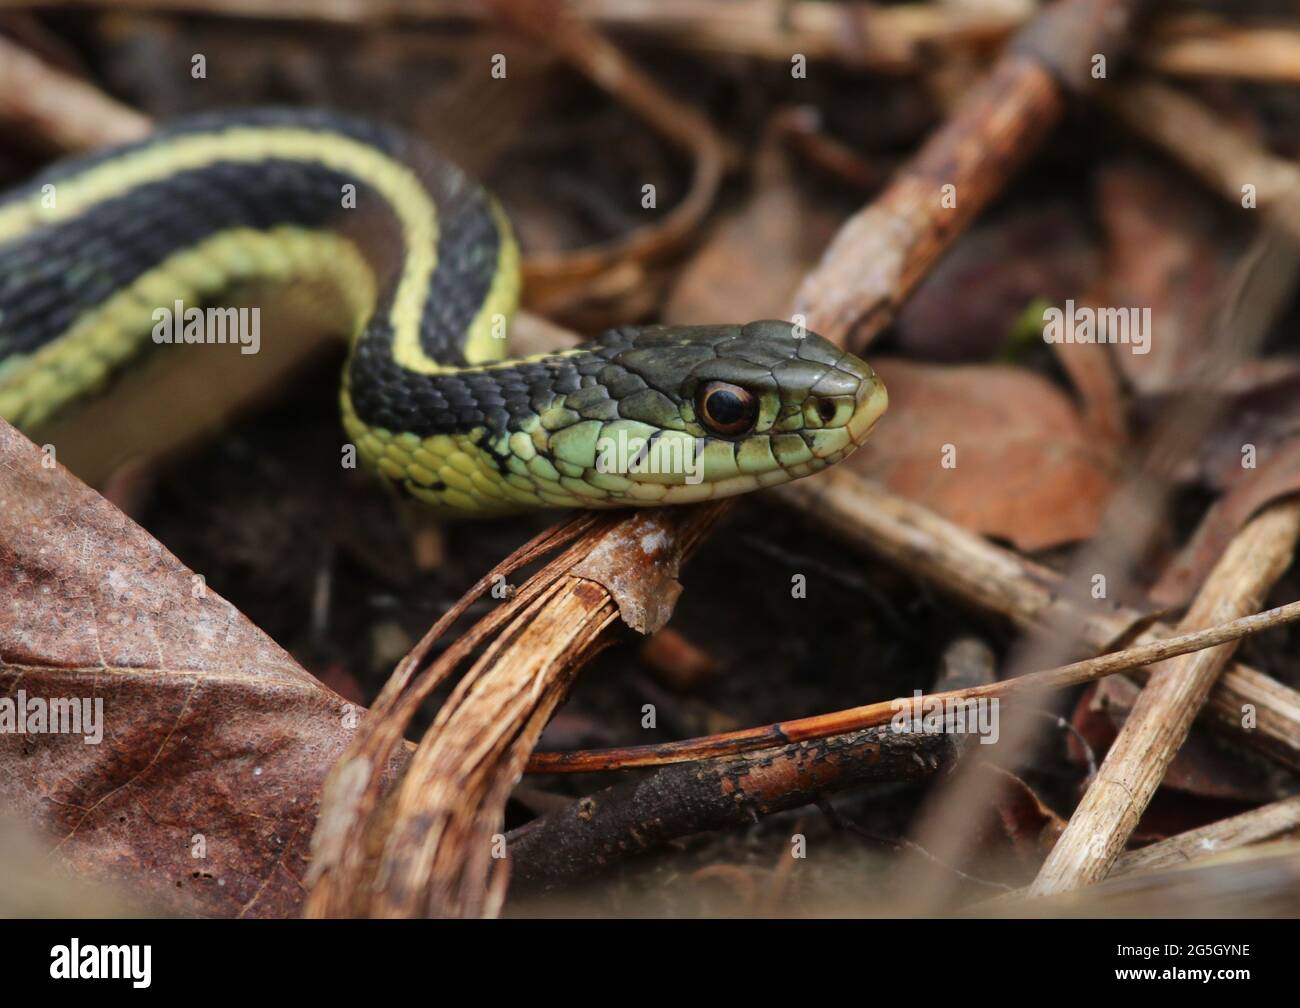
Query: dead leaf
x=1200, y=769
x=1025, y=468
x=1015, y=829
x=1173, y=251
x=753, y=261
x=1029, y=824
x=748, y=267
x=1091, y=370
x=1278, y=477
x=1261, y=410
x=200, y=798
x=968, y=307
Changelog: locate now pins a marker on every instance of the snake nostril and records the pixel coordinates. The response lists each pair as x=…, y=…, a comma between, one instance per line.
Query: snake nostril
x=826, y=410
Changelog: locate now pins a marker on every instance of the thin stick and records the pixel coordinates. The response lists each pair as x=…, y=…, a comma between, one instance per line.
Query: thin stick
x=1268, y=822
x=58, y=108
x=981, y=574
x=875, y=714
x=1224, y=156
x=1133, y=769
x=1264, y=53
x=643, y=813
x=1264, y=823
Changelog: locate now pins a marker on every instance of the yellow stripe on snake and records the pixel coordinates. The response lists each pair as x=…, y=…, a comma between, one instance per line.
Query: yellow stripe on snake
x=428, y=269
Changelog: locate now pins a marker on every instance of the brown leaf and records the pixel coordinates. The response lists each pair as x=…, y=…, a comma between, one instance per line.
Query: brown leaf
x=754, y=260
x=1029, y=824
x=1277, y=477
x=1026, y=469
x=1172, y=250
x=967, y=308
x=1201, y=768
x=214, y=741
x=1015, y=828
x=1261, y=409
x=748, y=267
x=1091, y=370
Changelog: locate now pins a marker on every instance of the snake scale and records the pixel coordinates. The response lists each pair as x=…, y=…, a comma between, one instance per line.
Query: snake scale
x=425, y=270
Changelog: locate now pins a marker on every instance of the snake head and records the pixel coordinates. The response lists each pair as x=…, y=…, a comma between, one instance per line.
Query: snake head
x=765, y=402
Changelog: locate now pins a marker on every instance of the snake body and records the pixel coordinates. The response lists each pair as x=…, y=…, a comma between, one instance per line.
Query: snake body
x=425, y=269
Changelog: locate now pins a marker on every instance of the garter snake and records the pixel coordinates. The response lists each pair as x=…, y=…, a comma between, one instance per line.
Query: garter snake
x=426, y=268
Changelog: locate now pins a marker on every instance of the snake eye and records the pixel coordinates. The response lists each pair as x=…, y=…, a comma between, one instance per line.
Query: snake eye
x=726, y=409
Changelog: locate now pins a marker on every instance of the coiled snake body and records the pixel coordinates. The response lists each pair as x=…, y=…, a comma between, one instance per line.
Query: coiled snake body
x=427, y=269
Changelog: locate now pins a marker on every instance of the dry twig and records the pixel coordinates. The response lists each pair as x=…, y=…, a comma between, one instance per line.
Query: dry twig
x=977, y=150
x=875, y=714
x=1204, y=47
x=1223, y=156
x=1159, y=722
x=883, y=251
x=640, y=816
x=973, y=149
x=1033, y=597
x=427, y=848
x=1268, y=822
x=554, y=281
x=61, y=110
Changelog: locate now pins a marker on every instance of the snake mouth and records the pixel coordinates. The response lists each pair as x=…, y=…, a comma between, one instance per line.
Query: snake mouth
x=872, y=401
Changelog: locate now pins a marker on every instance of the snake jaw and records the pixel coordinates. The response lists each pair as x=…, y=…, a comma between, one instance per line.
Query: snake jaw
x=430, y=401
x=872, y=401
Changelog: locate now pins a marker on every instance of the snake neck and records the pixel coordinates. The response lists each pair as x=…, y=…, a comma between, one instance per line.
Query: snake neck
x=426, y=274
x=421, y=261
